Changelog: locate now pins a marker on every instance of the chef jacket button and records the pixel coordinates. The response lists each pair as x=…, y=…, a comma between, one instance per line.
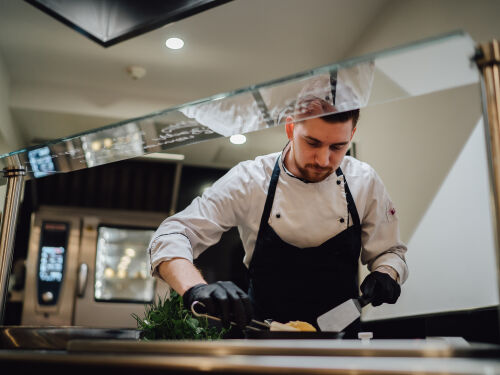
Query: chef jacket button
x=338, y=182
x=341, y=220
x=278, y=216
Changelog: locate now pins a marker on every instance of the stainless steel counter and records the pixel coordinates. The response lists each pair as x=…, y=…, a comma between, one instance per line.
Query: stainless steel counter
x=90, y=356
x=436, y=347
x=56, y=362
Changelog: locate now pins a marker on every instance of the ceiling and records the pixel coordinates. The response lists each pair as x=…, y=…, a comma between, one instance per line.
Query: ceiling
x=62, y=83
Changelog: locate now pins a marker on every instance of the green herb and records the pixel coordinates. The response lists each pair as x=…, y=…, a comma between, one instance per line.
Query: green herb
x=168, y=320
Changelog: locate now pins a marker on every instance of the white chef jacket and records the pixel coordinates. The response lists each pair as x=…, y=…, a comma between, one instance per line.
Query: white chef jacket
x=303, y=214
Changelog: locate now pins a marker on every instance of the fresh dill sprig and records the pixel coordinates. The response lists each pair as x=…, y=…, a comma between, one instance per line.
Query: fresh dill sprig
x=167, y=319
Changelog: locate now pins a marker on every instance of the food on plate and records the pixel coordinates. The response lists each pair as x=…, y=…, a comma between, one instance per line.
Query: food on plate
x=296, y=325
x=301, y=326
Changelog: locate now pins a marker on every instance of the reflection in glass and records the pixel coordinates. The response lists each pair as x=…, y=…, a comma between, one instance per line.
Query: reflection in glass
x=41, y=162
x=411, y=70
x=110, y=145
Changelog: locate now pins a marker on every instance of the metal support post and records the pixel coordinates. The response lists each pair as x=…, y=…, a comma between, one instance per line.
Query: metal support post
x=15, y=180
x=488, y=61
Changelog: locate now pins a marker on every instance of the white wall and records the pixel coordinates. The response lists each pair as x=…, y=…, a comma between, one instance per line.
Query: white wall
x=433, y=163
x=430, y=152
x=452, y=251
x=403, y=21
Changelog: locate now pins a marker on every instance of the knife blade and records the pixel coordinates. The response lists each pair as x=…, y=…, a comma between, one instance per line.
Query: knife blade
x=338, y=318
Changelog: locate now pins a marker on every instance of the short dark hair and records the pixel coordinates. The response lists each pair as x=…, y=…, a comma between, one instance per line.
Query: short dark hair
x=312, y=106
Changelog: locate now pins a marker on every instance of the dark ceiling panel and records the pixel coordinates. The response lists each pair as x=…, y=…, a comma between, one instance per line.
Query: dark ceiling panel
x=109, y=22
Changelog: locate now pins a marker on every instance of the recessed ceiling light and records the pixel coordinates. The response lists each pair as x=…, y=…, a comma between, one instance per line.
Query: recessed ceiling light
x=238, y=139
x=174, y=43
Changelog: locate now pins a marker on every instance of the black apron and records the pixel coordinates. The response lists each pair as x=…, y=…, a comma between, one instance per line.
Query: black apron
x=290, y=283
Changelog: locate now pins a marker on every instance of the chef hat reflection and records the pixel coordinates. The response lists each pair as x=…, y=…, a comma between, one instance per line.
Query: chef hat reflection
x=353, y=86
x=236, y=114
x=307, y=107
x=340, y=90
x=312, y=106
x=344, y=89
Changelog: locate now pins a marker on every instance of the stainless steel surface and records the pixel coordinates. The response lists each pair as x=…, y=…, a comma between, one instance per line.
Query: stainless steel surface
x=110, y=314
x=488, y=61
x=83, y=273
x=61, y=312
x=15, y=180
x=76, y=304
x=63, y=363
x=338, y=318
x=348, y=348
x=57, y=338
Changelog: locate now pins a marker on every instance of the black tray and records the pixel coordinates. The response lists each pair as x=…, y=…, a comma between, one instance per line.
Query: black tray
x=292, y=335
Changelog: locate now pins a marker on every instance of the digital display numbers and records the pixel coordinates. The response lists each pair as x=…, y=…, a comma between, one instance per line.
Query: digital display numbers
x=51, y=261
x=51, y=264
x=41, y=162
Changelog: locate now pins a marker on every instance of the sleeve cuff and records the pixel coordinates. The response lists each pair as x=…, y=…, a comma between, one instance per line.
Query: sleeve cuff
x=388, y=270
x=167, y=247
x=393, y=261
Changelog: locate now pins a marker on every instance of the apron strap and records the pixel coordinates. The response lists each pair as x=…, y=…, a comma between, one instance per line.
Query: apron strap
x=351, y=206
x=270, y=197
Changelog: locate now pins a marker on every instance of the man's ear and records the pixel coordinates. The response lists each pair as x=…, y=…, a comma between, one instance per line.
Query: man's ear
x=289, y=128
x=353, y=131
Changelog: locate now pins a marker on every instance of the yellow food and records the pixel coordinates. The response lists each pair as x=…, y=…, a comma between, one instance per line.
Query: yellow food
x=276, y=326
x=301, y=326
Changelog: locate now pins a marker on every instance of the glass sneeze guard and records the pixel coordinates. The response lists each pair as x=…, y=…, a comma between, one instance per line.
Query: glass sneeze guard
x=445, y=61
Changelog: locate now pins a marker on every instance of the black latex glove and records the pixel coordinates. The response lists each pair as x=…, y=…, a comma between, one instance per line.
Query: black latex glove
x=379, y=288
x=222, y=299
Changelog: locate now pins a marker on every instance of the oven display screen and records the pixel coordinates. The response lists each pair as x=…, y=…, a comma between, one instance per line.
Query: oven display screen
x=41, y=162
x=51, y=263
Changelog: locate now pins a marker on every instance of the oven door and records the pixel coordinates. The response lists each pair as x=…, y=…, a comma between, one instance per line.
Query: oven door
x=114, y=279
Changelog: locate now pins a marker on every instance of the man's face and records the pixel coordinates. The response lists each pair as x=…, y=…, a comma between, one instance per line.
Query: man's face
x=317, y=147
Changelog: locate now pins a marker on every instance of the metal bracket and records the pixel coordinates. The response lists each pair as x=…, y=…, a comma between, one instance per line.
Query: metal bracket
x=488, y=61
x=15, y=181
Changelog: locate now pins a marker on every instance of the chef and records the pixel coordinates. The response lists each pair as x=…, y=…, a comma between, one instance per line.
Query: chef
x=306, y=216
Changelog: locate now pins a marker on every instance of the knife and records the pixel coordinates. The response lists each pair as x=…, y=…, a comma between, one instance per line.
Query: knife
x=338, y=318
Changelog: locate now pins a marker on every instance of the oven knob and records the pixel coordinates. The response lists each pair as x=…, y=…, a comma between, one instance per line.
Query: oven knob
x=47, y=296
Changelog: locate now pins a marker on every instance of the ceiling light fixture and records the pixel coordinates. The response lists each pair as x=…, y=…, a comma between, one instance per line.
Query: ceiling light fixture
x=174, y=43
x=238, y=139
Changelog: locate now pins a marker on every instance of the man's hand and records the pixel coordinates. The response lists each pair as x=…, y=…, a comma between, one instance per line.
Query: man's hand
x=222, y=299
x=379, y=288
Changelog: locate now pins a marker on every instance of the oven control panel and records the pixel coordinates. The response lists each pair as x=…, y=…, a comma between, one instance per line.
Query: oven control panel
x=51, y=261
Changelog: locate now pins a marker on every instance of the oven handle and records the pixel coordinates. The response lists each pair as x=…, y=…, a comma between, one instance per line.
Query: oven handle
x=83, y=271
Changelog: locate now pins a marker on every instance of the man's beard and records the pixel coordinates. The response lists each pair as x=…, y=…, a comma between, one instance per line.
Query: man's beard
x=314, y=173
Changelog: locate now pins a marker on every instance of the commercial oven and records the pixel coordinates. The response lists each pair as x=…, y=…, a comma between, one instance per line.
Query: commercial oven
x=89, y=267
